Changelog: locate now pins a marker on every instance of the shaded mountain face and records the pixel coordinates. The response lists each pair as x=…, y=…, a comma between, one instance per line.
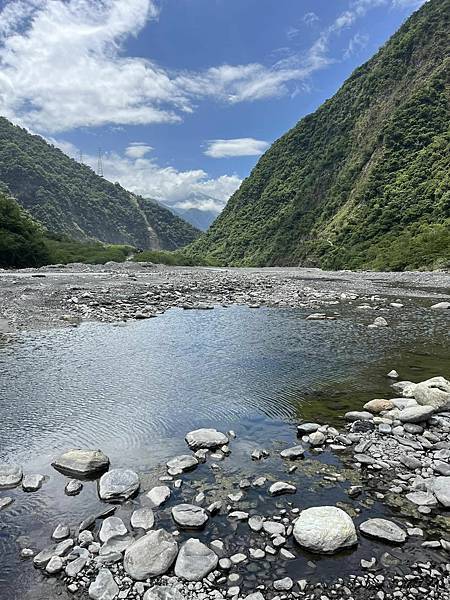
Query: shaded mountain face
x=362, y=182
x=70, y=199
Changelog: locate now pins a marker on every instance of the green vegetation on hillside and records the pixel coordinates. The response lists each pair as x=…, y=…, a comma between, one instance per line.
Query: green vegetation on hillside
x=22, y=241
x=70, y=199
x=364, y=181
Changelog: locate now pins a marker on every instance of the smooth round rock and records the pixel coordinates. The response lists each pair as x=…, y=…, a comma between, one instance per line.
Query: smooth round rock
x=111, y=527
x=118, y=485
x=415, y=414
x=325, y=530
x=10, y=475
x=205, y=438
x=143, y=518
x=81, y=462
x=32, y=483
x=195, y=561
x=151, y=555
x=382, y=529
x=189, y=516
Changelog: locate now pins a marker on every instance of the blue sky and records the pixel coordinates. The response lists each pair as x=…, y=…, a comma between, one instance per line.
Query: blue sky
x=181, y=95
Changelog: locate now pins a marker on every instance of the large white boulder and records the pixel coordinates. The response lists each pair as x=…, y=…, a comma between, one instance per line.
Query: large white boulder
x=434, y=392
x=151, y=555
x=325, y=530
x=118, y=485
x=10, y=475
x=440, y=486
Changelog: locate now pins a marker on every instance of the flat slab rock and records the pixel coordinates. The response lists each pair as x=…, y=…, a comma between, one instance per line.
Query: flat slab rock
x=382, y=529
x=415, y=414
x=10, y=475
x=325, y=530
x=151, y=555
x=158, y=495
x=293, y=453
x=195, y=560
x=189, y=516
x=185, y=462
x=82, y=463
x=205, y=438
x=118, y=485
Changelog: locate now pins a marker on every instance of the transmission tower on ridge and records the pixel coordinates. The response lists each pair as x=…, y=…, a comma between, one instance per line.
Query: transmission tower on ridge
x=80, y=156
x=100, y=163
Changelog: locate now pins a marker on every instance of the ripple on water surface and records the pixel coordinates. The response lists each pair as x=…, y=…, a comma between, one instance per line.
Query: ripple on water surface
x=135, y=390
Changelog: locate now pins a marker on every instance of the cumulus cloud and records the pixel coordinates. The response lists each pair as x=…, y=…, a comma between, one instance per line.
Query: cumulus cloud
x=144, y=176
x=137, y=150
x=63, y=66
x=235, y=147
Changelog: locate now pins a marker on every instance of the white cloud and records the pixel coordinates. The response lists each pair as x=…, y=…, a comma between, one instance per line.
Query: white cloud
x=144, y=176
x=62, y=66
x=310, y=18
x=137, y=150
x=236, y=147
x=356, y=43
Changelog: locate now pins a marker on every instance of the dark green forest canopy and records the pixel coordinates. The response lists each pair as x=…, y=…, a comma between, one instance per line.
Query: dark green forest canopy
x=70, y=199
x=364, y=181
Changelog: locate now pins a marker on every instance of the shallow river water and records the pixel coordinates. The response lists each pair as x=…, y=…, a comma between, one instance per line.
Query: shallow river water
x=134, y=390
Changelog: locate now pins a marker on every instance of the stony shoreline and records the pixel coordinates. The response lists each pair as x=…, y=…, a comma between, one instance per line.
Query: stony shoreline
x=66, y=296
x=400, y=446
x=391, y=451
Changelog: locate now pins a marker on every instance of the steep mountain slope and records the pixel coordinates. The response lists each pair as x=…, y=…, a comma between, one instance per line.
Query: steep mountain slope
x=362, y=182
x=69, y=198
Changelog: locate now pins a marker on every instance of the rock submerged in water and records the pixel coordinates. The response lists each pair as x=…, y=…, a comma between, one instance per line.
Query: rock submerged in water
x=185, y=462
x=151, y=555
x=205, y=438
x=382, y=529
x=325, y=530
x=118, y=485
x=10, y=475
x=82, y=463
x=195, y=560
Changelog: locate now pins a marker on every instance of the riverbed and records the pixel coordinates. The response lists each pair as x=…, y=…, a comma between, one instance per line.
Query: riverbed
x=135, y=388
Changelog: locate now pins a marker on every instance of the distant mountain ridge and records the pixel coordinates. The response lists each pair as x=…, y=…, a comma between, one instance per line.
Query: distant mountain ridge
x=364, y=181
x=70, y=199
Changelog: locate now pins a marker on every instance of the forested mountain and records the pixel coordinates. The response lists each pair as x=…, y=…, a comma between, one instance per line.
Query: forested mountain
x=70, y=199
x=362, y=182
